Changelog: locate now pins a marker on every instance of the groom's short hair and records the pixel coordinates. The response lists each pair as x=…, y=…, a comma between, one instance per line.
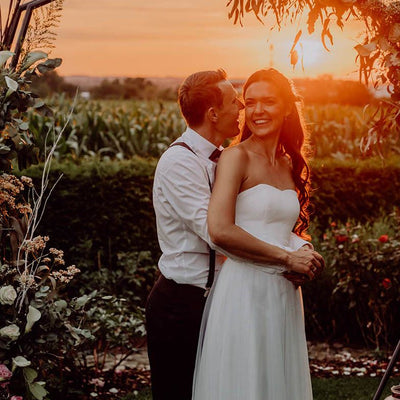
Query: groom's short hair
x=198, y=92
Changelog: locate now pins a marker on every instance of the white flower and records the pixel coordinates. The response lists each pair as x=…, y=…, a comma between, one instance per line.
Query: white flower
x=10, y=331
x=7, y=295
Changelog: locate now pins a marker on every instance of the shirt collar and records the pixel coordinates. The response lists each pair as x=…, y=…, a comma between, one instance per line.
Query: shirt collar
x=198, y=143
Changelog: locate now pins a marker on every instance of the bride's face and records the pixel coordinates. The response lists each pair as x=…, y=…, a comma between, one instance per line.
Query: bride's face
x=265, y=109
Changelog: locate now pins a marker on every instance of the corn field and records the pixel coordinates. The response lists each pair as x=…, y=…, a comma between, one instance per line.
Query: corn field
x=122, y=129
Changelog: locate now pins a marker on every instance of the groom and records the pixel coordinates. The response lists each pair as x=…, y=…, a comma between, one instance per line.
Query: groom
x=181, y=193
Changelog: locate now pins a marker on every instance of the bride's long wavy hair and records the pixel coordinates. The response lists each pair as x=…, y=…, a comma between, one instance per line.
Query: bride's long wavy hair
x=292, y=139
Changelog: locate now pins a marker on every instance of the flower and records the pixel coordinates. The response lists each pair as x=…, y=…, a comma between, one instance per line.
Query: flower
x=355, y=238
x=7, y=295
x=341, y=238
x=383, y=238
x=17, y=398
x=10, y=331
x=5, y=373
x=387, y=283
x=97, y=382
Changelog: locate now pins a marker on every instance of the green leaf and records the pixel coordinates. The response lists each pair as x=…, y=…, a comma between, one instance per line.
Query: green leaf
x=81, y=301
x=60, y=305
x=32, y=317
x=49, y=65
x=37, y=390
x=33, y=57
x=11, y=84
x=24, y=126
x=30, y=374
x=21, y=362
x=4, y=56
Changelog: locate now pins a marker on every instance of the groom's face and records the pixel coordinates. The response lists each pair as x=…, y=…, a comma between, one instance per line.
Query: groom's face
x=228, y=112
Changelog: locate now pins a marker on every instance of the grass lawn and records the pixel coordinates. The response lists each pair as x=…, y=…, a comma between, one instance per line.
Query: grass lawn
x=349, y=388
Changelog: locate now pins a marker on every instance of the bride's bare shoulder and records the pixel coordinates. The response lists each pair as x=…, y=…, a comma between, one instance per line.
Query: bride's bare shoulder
x=235, y=153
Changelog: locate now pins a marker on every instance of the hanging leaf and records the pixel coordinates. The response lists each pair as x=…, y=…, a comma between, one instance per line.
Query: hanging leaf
x=30, y=374
x=32, y=317
x=326, y=33
x=37, y=390
x=366, y=49
x=4, y=56
x=11, y=84
x=31, y=58
x=21, y=362
x=294, y=58
x=49, y=65
x=394, y=33
x=296, y=40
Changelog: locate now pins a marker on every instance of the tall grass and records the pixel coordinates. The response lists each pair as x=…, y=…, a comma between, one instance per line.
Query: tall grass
x=122, y=129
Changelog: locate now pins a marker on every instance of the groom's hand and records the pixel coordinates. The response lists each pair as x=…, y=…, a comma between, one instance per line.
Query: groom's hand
x=296, y=278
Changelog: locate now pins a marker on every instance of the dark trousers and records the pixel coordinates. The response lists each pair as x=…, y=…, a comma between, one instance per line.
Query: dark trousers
x=173, y=318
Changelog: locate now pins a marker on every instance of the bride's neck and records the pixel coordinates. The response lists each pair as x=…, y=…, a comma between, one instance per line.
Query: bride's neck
x=264, y=147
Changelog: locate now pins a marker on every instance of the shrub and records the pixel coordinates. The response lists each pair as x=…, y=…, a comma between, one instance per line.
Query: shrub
x=360, y=286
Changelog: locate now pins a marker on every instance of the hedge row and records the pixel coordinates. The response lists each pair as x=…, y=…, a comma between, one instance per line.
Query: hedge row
x=101, y=214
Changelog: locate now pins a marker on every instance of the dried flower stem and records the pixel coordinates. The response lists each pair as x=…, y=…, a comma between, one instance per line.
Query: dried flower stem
x=39, y=200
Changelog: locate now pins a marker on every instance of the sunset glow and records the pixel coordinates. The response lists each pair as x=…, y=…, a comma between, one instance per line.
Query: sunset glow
x=172, y=38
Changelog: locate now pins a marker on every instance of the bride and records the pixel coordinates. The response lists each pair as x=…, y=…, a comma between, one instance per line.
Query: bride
x=253, y=344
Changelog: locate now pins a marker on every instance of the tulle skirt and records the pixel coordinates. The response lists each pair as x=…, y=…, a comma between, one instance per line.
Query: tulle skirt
x=252, y=343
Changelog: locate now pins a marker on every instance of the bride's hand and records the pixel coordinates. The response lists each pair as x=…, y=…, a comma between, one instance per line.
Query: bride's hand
x=305, y=261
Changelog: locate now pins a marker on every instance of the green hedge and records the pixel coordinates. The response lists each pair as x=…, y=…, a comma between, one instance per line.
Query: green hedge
x=100, y=214
x=359, y=190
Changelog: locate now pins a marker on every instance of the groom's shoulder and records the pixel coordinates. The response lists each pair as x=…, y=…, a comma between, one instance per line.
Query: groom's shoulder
x=177, y=157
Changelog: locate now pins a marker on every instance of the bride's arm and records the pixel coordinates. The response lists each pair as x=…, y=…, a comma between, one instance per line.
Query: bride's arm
x=236, y=241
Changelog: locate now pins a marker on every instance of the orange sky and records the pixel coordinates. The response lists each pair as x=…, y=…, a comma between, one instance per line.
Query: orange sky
x=177, y=37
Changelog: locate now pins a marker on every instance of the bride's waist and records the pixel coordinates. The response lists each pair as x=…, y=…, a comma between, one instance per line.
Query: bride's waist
x=265, y=268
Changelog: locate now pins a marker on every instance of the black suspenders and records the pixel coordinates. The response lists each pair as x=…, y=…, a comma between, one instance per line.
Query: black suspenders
x=211, y=269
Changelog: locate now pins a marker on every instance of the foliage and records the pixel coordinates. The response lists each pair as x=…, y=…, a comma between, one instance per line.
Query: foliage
x=50, y=83
x=15, y=99
x=40, y=33
x=358, y=290
x=365, y=262
x=111, y=129
x=30, y=277
x=131, y=88
x=96, y=195
x=122, y=129
x=335, y=91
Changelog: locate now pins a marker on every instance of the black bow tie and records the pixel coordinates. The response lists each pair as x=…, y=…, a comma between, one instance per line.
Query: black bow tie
x=215, y=155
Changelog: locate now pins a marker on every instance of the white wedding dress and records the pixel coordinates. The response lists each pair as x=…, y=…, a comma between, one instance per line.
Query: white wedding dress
x=252, y=342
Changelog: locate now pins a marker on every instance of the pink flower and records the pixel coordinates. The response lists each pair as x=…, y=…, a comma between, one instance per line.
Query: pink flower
x=383, y=238
x=387, y=283
x=5, y=373
x=97, y=382
x=17, y=398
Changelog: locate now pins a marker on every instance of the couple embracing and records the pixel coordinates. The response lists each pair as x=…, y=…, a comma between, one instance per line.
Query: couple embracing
x=244, y=222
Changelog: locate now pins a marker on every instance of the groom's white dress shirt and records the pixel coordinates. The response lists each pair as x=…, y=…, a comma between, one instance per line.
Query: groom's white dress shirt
x=181, y=193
